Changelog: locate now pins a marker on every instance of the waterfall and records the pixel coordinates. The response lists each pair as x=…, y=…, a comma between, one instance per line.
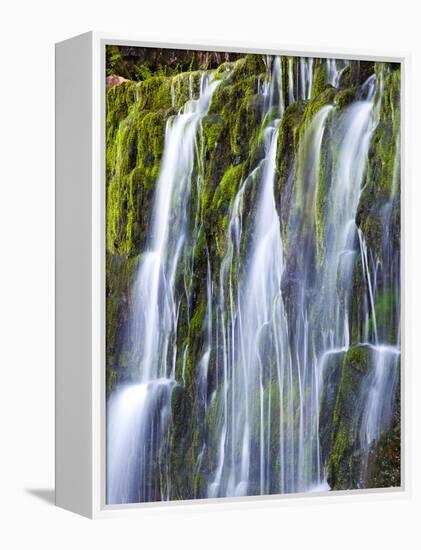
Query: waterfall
x=260, y=338
x=250, y=321
x=251, y=298
x=306, y=77
x=354, y=134
x=379, y=407
x=291, y=83
x=335, y=68
x=139, y=415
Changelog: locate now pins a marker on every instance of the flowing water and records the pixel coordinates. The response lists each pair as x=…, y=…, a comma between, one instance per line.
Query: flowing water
x=139, y=415
x=269, y=353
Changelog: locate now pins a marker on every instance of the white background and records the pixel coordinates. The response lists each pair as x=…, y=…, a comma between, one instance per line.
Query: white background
x=28, y=32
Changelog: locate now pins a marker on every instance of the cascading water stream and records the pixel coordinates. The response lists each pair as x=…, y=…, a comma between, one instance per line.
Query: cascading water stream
x=139, y=414
x=335, y=68
x=339, y=249
x=247, y=317
x=306, y=77
x=379, y=406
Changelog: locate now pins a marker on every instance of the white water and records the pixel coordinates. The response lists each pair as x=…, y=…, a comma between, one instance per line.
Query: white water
x=306, y=77
x=256, y=309
x=139, y=419
x=379, y=406
x=354, y=137
x=335, y=68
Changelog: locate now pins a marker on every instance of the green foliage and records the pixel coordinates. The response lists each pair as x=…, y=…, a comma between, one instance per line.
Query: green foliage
x=115, y=62
x=142, y=72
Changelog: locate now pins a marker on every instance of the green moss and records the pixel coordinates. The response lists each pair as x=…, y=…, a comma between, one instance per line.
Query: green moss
x=319, y=101
x=154, y=94
x=346, y=77
x=307, y=211
x=221, y=205
x=250, y=65
x=230, y=136
x=232, y=101
x=194, y=345
x=213, y=126
x=119, y=99
x=115, y=62
x=320, y=76
x=185, y=86
x=196, y=324
x=223, y=70
x=356, y=358
x=332, y=373
x=344, y=97
x=385, y=137
x=323, y=191
x=225, y=193
x=286, y=152
x=385, y=304
x=383, y=172
x=387, y=315
x=358, y=303
x=384, y=462
x=133, y=158
x=344, y=460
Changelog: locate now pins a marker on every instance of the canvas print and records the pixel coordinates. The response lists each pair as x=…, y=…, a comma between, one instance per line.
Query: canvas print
x=252, y=274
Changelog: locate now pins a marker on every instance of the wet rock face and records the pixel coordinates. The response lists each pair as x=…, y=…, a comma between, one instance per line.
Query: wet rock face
x=114, y=80
x=346, y=456
x=348, y=407
x=277, y=143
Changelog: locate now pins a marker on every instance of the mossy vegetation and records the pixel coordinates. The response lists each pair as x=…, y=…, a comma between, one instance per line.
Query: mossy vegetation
x=343, y=464
x=383, y=171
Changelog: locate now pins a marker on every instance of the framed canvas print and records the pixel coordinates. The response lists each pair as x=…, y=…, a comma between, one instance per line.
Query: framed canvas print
x=229, y=280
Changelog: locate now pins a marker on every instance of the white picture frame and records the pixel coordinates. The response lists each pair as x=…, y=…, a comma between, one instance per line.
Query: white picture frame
x=80, y=278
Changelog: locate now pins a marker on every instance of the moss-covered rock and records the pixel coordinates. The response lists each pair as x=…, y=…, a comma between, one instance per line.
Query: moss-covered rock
x=383, y=172
x=345, y=97
x=384, y=460
x=332, y=365
x=119, y=285
x=345, y=459
x=286, y=152
x=320, y=77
